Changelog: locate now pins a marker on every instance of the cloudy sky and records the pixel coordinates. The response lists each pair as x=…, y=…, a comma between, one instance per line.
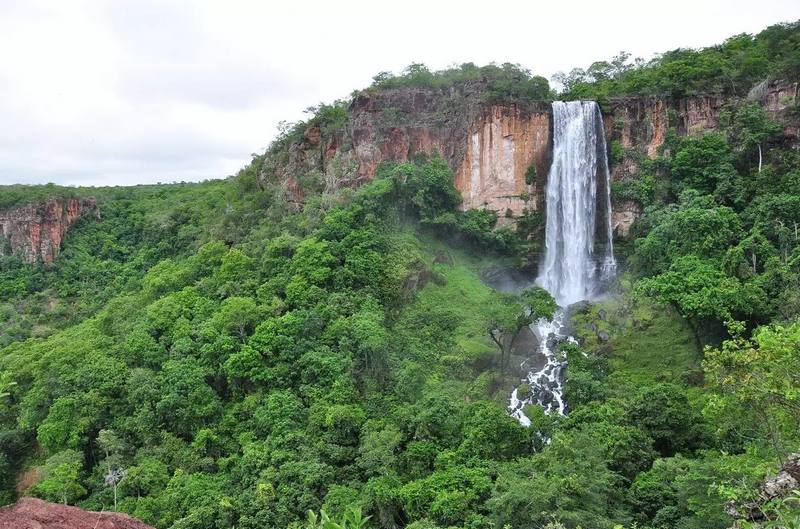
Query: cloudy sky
x=106, y=92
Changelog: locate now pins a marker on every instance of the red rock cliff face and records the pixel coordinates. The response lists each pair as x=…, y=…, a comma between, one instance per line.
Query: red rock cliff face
x=502, y=145
x=640, y=125
x=778, y=98
x=35, y=231
x=489, y=147
x=642, y=122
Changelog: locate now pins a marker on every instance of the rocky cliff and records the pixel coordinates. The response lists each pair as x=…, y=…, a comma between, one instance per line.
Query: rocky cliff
x=640, y=126
x=499, y=151
x=490, y=146
x=35, y=231
x=642, y=123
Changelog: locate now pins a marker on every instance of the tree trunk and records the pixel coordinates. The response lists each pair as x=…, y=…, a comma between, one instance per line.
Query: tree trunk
x=500, y=346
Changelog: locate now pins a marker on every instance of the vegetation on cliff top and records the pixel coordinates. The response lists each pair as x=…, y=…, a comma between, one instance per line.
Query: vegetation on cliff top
x=731, y=68
x=19, y=195
x=504, y=83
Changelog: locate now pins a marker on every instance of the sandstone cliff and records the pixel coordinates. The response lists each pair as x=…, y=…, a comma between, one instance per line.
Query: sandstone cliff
x=35, y=231
x=640, y=125
x=490, y=145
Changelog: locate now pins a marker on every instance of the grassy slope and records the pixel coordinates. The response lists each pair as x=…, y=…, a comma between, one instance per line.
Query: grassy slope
x=648, y=343
x=457, y=293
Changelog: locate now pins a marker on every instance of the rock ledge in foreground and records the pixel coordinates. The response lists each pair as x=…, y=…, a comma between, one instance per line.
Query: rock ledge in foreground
x=33, y=513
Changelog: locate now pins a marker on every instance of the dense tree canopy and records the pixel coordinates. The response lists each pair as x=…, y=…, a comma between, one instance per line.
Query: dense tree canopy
x=731, y=68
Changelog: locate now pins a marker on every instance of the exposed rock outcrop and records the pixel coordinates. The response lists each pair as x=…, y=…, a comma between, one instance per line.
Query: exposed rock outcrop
x=32, y=513
x=491, y=145
x=503, y=145
x=35, y=231
x=640, y=126
x=783, y=484
x=642, y=122
x=623, y=216
x=779, y=98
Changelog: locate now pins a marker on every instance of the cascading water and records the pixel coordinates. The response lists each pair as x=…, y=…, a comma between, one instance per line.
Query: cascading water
x=570, y=270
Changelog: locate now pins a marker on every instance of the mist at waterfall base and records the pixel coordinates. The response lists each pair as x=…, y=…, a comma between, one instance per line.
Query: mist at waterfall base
x=570, y=271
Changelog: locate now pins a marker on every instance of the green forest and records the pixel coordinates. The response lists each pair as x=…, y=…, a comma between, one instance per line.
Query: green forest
x=211, y=355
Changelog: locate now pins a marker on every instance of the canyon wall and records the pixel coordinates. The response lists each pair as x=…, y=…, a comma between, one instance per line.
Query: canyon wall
x=36, y=231
x=492, y=146
x=640, y=126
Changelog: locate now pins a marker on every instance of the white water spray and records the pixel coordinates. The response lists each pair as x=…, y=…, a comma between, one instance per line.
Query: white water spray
x=570, y=270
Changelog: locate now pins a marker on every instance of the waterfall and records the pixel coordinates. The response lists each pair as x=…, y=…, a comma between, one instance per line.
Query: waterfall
x=570, y=271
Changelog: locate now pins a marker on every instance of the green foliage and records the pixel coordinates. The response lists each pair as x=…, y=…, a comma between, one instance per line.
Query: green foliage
x=757, y=381
x=20, y=195
x=103, y=257
x=530, y=175
x=220, y=385
x=507, y=82
x=61, y=474
x=664, y=413
x=730, y=68
x=683, y=492
x=509, y=313
x=748, y=128
x=539, y=303
x=617, y=152
x=699, y=290
x=352, y=518
x=425, y=191
x=696, y=229
x=592, y=500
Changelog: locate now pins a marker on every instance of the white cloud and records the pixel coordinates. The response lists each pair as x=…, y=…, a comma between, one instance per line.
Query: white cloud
x=132, y=91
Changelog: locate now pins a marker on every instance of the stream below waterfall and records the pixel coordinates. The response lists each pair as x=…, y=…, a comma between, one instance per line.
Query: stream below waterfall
x=545, y=385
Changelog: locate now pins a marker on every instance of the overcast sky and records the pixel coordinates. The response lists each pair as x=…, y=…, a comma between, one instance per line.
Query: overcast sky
x=97, y=92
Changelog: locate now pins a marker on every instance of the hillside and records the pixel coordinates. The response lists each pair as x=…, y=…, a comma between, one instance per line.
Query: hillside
x=337, y=329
